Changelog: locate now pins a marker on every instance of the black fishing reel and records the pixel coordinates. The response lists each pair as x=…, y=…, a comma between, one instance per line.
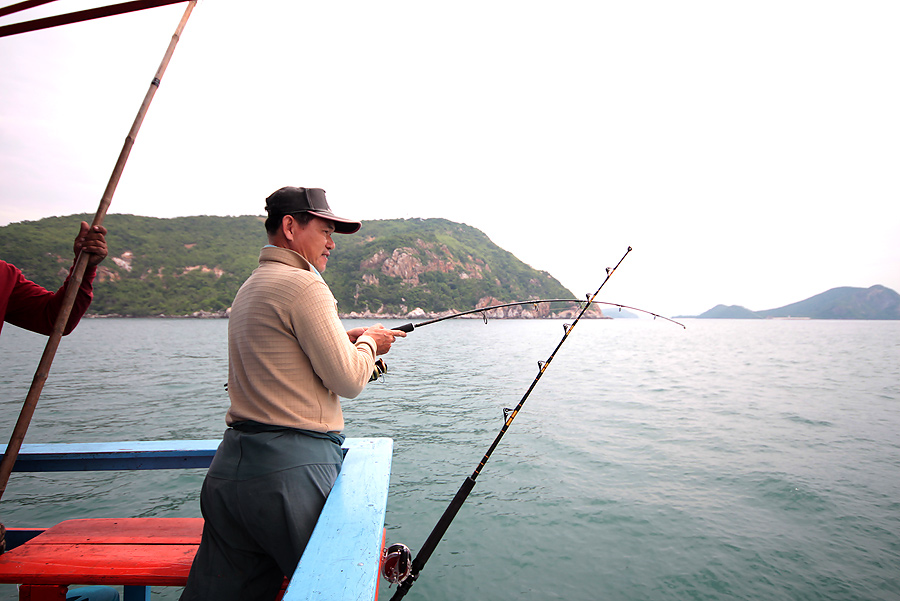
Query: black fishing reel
x=396, y=563
x=380, y=370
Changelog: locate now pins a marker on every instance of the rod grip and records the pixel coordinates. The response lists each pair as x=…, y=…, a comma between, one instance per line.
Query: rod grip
x=407, y=327
x=443, y=524
x=435, y=537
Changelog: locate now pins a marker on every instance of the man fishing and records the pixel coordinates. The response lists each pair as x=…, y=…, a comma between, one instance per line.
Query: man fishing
x=289, y=359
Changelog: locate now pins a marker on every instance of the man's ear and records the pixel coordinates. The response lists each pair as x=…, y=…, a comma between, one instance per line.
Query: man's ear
x=287, y=226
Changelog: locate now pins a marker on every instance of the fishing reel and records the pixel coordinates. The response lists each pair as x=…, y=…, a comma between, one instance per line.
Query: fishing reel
x=380, y=370
x=396, y=563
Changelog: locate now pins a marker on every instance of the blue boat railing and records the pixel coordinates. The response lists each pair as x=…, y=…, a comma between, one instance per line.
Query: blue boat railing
x=343, y=556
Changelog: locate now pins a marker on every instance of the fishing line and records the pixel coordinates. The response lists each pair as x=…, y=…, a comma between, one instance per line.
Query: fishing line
x=409, y=327
x=381, y=369
x=396, y=556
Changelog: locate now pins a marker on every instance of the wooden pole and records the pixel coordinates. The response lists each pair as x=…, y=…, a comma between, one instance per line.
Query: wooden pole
x=43, y=370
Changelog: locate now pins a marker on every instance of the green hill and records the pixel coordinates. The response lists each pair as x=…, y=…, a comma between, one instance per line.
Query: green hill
x=397, y=265
x=186, y=265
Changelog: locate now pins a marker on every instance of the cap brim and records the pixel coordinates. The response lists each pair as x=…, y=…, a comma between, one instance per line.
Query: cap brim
x=341, y=225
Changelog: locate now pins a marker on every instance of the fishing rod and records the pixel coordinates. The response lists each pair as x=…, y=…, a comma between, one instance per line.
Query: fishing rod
x=381, y=366
x=409, y=327
x=396, y=566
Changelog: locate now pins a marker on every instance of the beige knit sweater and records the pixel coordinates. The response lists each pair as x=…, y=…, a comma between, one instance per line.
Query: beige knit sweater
x=289, y=357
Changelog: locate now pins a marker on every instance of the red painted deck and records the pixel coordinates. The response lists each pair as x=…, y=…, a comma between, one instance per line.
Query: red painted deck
x=129, y=551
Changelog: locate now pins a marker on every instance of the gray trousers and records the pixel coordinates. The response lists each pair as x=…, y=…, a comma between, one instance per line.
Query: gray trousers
x=260, y=501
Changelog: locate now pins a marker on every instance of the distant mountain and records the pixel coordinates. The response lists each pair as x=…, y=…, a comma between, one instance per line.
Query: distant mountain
x=187, y=265
x=877, y=302
x=729, y=312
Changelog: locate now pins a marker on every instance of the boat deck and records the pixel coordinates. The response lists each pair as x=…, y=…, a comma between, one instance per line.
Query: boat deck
x=341, y=561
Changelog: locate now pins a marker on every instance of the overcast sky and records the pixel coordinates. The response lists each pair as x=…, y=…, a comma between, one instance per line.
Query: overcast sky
x=748, y=151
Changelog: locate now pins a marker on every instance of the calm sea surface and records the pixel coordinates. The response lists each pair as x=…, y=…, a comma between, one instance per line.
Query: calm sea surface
x=731, y=460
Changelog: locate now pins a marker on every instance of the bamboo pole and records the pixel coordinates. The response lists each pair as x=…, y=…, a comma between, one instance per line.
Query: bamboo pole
x=43, y=370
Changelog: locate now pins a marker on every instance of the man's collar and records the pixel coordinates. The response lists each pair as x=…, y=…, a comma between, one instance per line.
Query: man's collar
x=270, y=252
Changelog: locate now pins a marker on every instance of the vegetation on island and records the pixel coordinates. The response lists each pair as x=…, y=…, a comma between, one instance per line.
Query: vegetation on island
x=397, y=265
x=195, y=265
x=186, y=265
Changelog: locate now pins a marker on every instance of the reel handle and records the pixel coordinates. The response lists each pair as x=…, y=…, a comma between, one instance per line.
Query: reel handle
x=380, y=369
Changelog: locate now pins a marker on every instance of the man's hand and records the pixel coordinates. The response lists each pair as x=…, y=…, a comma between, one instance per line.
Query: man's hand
x=91, y=240
x=355, y=333
x=383, y=337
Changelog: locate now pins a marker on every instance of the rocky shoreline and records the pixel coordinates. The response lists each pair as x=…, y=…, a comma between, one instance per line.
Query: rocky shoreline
x=521, y=312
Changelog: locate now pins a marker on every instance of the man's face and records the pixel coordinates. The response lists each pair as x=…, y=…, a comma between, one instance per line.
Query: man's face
x=313, y=241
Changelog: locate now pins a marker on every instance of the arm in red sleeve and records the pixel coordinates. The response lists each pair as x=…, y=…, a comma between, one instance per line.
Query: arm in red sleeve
x=30, y=306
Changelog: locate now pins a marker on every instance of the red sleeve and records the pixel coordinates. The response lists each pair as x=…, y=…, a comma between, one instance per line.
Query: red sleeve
x=35, y=308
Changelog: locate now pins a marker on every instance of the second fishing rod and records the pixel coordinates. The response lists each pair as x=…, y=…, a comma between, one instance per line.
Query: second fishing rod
x=395, y=567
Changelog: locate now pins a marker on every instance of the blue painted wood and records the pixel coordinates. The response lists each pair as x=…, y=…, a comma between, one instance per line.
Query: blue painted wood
x=136, y=593
x=342, y=559
x=20, y=536
x=344, y=553
x=101, y=456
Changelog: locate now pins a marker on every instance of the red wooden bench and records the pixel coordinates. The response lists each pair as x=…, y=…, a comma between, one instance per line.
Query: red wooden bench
x=131, y=551
x=126, y=552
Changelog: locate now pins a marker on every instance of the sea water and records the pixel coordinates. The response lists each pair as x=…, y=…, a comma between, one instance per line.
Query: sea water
x=728, y=460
